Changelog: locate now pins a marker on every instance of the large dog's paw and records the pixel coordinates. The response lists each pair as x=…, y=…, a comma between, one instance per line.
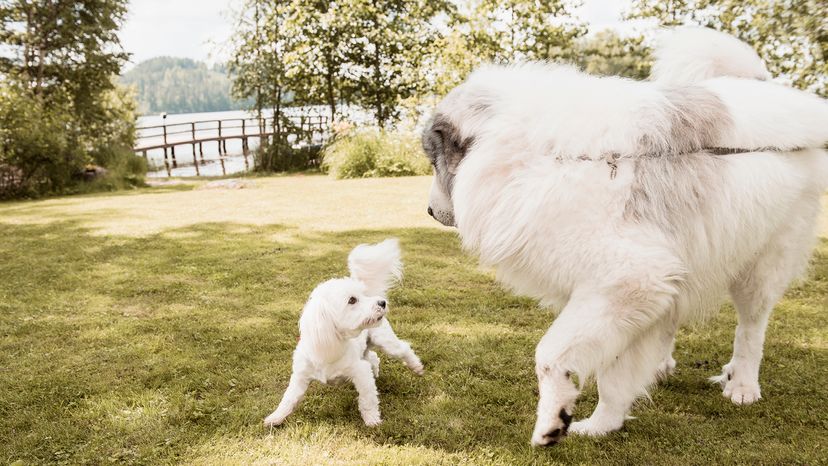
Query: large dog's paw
x=553, y=430
x=592, y=428
x=666, y=367
x=740, y=392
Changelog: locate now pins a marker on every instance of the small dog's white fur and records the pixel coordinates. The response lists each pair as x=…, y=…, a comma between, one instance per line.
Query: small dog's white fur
x=604, y=198
x=341, y=324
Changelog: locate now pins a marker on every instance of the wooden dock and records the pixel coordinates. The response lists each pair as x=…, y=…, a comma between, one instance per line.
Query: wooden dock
x=198, y=133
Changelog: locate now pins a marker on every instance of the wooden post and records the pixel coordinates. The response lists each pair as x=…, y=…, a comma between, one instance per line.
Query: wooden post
x=245, y=149
x=195, y=159
x=172, y=152
x=166, y=160
x=219, y=143
x=201, y=151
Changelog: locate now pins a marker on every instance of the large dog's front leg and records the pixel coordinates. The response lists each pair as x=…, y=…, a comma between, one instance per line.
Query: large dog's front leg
x=590, y=333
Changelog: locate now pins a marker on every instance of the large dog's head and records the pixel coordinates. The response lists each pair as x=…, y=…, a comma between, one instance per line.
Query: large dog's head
x=447, y=139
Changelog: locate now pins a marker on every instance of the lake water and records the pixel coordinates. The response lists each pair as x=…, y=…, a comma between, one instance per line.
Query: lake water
x=180, y=128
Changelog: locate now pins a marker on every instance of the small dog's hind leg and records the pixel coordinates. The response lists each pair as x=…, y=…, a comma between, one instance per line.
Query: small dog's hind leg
x=293, y=395
x=363, y=377
x=384, y=338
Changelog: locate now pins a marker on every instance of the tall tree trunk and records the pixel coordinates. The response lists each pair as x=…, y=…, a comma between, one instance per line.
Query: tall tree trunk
x=378, y=107
x=278, y=116
x=329, y=82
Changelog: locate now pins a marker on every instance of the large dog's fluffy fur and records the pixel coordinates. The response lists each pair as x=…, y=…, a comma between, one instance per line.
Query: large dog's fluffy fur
x=633, y=207
x=342, y=322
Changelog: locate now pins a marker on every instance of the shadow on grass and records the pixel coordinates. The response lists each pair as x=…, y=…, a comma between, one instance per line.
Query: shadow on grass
x=148, y=349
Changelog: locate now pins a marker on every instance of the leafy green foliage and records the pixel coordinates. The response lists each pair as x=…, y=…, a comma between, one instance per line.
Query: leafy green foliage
x=608, y=54
x=375, y=153
x=34, y=142
x=60, y=105
x=506, y=31
x=180, y=85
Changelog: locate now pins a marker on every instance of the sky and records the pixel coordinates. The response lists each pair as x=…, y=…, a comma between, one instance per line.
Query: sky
x=200, y=29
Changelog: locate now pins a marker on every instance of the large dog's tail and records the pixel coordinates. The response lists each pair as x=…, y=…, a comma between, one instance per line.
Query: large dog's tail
x=687, y=55
x=755, y=114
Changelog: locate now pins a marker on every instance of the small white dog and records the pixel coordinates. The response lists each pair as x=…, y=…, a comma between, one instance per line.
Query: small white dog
x=340, y=324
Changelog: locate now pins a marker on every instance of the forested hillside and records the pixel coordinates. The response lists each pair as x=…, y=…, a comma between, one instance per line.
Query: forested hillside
x=180, y=85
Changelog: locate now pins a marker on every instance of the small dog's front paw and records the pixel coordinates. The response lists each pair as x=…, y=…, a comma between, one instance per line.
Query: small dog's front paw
x=275, y=419
x=418, y=369
x=372, y=420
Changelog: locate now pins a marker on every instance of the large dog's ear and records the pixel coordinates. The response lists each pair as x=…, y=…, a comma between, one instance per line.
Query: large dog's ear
x=444, y=145
x=378, y=266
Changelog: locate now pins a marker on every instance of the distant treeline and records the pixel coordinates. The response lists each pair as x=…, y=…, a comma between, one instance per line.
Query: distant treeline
x=181, y=85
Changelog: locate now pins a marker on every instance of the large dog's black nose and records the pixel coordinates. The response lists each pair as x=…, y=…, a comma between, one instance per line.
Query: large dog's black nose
x=381, y=303
x=430, y=212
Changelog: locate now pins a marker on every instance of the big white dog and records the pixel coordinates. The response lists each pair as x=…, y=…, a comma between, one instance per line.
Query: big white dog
x=633, y=207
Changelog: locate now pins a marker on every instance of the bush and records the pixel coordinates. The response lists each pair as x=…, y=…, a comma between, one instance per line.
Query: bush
x=45, y=150
x=284, y=158
x=35, y=145
x=372, y=153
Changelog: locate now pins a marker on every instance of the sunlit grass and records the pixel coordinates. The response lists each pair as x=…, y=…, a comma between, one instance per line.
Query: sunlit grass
x=153, y=328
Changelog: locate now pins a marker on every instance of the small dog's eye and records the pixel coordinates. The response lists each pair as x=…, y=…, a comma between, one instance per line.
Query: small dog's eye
x=353, y=300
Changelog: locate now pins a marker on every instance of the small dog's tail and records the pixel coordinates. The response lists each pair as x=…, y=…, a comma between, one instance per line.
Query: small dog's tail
x=687, y=55
x=376, y=265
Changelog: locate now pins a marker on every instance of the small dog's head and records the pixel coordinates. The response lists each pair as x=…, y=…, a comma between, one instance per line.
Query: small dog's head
x=343, y=307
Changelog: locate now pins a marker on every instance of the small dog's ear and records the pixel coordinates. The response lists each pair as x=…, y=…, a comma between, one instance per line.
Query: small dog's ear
x=378, y=266
x=316, y=325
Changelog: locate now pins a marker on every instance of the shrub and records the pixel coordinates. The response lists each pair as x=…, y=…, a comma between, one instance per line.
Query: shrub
x=44, y=149
x=372, y=153
x=283, y=157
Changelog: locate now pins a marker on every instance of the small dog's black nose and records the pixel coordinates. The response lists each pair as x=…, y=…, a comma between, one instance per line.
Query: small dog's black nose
x=381, y=303
x=430, y=212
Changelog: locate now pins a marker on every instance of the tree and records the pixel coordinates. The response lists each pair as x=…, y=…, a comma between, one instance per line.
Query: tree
x=668, y=13
x=180, y=85
x=64, y=49
x=316, y=61
x=61, y=57
x=511, y=30
x=385, y=63
x=609, y=54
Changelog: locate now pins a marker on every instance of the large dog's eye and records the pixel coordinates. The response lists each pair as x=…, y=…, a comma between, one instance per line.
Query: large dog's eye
x=353, y=300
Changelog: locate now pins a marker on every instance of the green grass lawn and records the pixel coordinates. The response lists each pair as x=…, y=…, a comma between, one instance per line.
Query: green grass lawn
x=157, y=326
